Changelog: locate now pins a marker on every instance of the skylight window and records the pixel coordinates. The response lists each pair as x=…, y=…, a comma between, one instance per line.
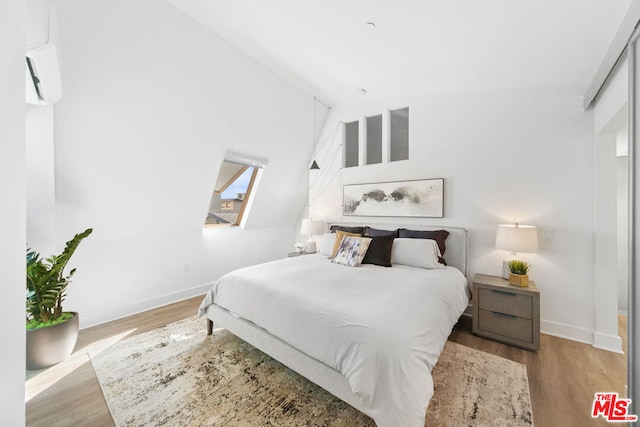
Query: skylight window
x=232, y=192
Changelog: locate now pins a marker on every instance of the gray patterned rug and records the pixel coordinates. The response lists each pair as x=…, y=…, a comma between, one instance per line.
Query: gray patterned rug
x=178, y=376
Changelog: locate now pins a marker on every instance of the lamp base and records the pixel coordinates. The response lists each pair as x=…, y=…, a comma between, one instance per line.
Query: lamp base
x=310, y=246
x=505, y=269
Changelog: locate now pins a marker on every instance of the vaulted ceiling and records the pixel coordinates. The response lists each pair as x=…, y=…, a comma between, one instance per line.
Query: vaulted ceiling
x=418, y=46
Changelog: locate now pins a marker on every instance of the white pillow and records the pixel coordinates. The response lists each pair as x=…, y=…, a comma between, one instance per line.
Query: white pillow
x=422, y=253
x=327, y=243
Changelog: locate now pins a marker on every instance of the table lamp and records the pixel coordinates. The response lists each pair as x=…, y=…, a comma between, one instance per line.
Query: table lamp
x=516, y=238
x=312, y=227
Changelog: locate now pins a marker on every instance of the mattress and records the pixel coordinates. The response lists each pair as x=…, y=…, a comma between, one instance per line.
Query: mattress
x=382, y=328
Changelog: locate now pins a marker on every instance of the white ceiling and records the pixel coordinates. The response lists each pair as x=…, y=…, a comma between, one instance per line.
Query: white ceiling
x=418, y=46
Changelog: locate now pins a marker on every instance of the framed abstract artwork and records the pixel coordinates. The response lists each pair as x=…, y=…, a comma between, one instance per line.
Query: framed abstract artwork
x=420, y=198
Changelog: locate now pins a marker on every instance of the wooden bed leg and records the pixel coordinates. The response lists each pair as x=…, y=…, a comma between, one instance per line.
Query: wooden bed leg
x=209, y=326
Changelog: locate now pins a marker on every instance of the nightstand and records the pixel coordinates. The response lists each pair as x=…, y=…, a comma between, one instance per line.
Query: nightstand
x=506, y=313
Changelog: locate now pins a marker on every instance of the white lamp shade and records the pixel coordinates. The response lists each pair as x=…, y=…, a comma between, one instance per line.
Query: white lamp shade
x=517, y=238
x=313, y=227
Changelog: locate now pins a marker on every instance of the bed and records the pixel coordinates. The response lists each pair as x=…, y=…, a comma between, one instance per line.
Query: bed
x=369, y=335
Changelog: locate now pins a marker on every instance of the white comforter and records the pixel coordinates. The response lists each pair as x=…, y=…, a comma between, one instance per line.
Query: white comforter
x=382, y=328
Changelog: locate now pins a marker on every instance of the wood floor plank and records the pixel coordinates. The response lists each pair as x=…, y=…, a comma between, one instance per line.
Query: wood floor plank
x=563, y=376
x=76, y=399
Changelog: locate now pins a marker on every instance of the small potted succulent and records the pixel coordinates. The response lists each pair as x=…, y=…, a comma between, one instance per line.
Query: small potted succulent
x=51, y=332
x=518, y=273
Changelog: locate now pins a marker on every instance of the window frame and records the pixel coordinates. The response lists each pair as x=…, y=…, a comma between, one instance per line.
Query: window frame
x=346, y=144
x=245, y=162
x=369, y=150
x=394, y=155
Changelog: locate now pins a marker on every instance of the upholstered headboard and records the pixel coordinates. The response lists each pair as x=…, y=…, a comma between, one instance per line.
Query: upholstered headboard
x=457, y=242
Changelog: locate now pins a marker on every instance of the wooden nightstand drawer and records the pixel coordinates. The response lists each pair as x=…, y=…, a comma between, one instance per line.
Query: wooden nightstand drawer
x=505, y=325
x=505, y=302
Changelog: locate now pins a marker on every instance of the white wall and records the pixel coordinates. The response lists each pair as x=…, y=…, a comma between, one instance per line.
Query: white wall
x=151, y=100
x=521, y=155
x=40, y=178
x=13, y=212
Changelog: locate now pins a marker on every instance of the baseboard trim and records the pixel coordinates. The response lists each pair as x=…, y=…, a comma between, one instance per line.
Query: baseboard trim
x=607, y=342
x=88, y=320
x=561, y=330
x=587, y=336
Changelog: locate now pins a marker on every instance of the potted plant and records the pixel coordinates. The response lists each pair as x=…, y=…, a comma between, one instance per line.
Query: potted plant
x=51, y=332
x=518, y=273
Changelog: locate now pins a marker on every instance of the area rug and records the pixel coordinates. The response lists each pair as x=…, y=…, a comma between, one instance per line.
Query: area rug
x=178, y=376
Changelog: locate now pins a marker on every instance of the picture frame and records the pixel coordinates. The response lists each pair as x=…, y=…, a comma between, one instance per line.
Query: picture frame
x=416, y=198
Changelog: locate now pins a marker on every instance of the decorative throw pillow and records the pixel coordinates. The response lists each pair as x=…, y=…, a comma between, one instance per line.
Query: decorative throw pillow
x=374, y=232
x=421, y=253
x=327, y=243
x=357, y=230
x=352, y=250
x=339, y=236
x=379, y=252
x=438, y=235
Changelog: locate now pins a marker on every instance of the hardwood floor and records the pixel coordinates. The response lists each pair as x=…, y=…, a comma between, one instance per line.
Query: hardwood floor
x=563, y=376
x=76, y=399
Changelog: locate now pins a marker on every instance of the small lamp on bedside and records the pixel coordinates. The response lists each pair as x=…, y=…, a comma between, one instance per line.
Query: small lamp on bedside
x=516, y=238
x=312, y=227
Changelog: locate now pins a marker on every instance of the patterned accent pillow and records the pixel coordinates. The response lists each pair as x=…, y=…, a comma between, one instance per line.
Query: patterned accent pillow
x=352, y=251
x=336, y=245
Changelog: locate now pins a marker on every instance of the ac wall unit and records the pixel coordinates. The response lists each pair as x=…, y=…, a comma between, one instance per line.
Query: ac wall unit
x=42, y=72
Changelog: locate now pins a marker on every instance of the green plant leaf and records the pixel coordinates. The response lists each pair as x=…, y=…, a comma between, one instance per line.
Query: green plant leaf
x=46, y=283
x=519, y=267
